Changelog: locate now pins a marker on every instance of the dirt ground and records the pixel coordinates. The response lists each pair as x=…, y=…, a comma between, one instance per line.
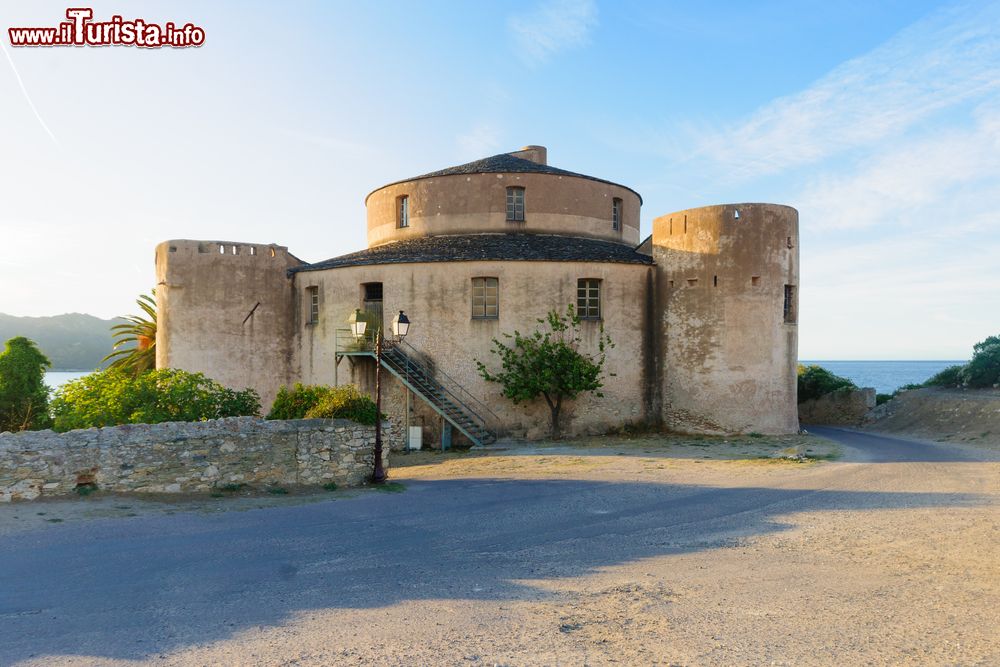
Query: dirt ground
x=566, y=459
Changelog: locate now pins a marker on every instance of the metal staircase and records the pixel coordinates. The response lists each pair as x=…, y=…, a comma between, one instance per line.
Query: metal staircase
x=440, y=391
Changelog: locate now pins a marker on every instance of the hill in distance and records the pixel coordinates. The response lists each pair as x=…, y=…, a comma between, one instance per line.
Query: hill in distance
x=73, y=342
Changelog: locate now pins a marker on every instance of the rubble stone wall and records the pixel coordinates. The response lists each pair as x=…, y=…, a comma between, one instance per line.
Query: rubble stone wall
x=182, y=457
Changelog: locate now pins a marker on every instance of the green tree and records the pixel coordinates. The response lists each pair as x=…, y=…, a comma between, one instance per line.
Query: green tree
x=549, y=364
x=949, y=377
x=816, y=381
x=24, y=398
x=984, y=369
x=117, y=396
x=135, y=339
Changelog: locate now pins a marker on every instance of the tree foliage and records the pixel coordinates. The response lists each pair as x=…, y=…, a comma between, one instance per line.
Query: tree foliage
x=984, y=368
x=118, y=396
x=815, y=381
x=948, y=377
x=135, y=339
x=548, y=363
x=24, y=398
x=323, y=402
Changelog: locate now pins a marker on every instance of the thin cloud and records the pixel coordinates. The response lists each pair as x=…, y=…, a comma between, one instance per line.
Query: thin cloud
x=948, y=59
x=553, y=26
x=901, y=183
x=479, y=141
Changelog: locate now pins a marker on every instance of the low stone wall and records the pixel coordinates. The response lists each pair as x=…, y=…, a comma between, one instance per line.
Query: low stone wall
x=180, y=457
x=845, y=407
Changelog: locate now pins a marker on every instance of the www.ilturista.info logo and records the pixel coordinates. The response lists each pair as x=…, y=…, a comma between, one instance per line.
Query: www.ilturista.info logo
x=81, y=30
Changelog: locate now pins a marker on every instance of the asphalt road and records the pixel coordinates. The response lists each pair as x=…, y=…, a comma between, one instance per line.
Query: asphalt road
x=142, y=587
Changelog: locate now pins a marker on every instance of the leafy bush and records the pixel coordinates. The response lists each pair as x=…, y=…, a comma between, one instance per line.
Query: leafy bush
x=984, y=369
x=344, y=403
x=883, y=398
x=816, y=381
x=24, y=398
x=294, y=403
x=117, y=396
x=548, y=363
x=323, y=402
x=949, y=377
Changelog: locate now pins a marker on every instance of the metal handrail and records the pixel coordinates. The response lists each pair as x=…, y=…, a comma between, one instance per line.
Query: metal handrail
x=432, y=375
x=368, y=345
x=455, y=382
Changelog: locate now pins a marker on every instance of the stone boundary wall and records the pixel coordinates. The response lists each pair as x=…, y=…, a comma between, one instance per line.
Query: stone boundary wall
x=180, y=457
x=844, y=407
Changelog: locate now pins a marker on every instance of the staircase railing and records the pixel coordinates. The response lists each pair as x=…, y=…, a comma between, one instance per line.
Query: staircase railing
x=401, y=357
x=489, y=419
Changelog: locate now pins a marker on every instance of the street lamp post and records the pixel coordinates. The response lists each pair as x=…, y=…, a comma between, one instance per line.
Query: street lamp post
x=400, y=327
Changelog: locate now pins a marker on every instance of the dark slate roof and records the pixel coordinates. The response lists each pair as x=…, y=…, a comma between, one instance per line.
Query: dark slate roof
x=504, y=163
x=487, y=247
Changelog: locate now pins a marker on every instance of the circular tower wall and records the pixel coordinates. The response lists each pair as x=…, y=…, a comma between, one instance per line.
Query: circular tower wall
x=727, y=314
x=477, y=203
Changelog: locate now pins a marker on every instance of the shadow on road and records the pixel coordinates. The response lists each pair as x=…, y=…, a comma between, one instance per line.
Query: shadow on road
x=150, y=585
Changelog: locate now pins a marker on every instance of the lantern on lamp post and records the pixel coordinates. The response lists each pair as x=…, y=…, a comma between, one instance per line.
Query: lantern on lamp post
x=400, y=327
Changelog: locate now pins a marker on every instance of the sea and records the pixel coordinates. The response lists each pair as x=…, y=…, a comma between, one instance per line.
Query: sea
x=885, y=376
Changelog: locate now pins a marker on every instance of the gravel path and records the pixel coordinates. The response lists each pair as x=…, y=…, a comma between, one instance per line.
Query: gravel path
x=549, y=556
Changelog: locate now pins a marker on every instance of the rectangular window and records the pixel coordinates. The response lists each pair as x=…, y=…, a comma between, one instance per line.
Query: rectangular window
x=588, y=298
x=616, y=214
x=313, y=305
x=485, y=298
x=790, y=304
x=403, y=212
x=515, y=204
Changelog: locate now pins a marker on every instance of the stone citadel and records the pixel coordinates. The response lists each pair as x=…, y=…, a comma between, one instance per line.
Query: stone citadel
x=703, y=312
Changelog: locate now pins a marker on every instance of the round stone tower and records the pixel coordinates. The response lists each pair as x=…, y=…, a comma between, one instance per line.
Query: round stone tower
x=727, y=313
x=516, y=192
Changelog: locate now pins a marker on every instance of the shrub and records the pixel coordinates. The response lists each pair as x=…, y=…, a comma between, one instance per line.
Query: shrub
x=883, y=398
x=816, y=381
x=548, y=363
x=294, y=403
x=117, y=396
x=984, y=369
x=949, y=377
x=323, y=402
x=24, y=398
x=344, y=403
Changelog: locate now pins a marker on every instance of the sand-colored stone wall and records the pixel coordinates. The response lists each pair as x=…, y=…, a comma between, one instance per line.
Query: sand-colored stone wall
x=437, y=297
x=845, y=407
x=728, y=353
x=181, y=457
x=477, y=203
x=227, y=310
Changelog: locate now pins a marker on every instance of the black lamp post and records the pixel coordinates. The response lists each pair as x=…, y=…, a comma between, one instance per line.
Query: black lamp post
x=400, y=327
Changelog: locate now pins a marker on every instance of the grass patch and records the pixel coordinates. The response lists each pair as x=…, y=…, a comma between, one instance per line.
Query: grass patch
x=277, y=490
x=390, y=487
x=330, y=486
x=216, y=494
x=86, y=489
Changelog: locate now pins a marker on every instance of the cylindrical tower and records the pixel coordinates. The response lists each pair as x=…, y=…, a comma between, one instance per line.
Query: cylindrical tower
x=508, y=193
x=727, y=314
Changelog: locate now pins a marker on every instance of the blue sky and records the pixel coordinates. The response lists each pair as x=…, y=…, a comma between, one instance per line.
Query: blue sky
x=880, y=122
